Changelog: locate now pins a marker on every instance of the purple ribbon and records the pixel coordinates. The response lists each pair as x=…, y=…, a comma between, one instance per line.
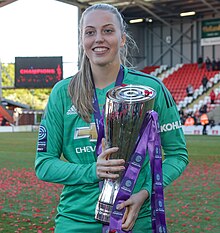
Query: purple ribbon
x=149, y=139
x=157, y=197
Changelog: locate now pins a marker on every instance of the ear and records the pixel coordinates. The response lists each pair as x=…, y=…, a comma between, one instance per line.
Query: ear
x=123, y=41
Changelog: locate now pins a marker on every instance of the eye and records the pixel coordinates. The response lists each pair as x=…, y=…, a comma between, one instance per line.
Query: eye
x=108, y=31
x=89, y=32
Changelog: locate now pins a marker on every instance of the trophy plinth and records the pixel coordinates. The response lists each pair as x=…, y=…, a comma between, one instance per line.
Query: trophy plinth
x=125, y=110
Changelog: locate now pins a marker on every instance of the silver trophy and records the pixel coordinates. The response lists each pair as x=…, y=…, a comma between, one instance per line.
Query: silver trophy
x=125, y=109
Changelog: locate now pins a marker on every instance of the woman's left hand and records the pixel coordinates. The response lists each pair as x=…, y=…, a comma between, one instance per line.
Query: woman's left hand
x=133, y=206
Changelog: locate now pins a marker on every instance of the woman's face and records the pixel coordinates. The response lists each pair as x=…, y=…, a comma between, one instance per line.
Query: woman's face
x=102, y=38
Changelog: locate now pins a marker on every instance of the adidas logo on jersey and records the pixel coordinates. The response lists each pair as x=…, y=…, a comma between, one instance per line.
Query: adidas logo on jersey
x=71, y=111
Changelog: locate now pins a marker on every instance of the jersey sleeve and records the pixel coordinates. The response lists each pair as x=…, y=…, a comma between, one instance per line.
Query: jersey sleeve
x=172, y=137
x=48, y=165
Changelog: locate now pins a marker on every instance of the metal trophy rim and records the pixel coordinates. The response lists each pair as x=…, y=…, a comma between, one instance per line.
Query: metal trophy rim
x=147, y=93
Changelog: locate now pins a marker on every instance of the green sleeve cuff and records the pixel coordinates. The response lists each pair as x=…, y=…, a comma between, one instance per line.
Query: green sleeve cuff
x=93, y=174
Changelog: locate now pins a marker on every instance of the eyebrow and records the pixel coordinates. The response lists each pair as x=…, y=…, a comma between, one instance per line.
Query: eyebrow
x=106, y=25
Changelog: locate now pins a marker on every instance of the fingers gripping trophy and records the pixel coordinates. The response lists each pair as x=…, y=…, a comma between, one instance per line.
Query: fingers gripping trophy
x=126, y=108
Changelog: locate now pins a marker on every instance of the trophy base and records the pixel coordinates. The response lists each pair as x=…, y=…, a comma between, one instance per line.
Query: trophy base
x=103, y=212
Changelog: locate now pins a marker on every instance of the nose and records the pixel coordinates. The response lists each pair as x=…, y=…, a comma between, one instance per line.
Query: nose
x=99, y=37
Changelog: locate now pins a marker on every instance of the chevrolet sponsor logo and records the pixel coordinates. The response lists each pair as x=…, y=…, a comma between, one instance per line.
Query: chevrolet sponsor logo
x=87, y=132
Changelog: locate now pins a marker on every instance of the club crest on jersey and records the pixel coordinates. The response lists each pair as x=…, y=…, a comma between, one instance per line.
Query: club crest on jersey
x=42, y=139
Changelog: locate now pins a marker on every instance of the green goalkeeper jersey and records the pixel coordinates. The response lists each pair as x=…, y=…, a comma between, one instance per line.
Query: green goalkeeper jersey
x=64, y=132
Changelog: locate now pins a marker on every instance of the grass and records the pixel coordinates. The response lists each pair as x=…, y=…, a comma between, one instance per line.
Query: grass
x=29, y=205
x=26, y=204
x=17, y=150
x=203, y=148
x=192, y=201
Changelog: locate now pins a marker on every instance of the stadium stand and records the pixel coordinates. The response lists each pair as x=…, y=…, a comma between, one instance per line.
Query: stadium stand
x=155, y=70
x=201, y=96
x=149, y=69
x=178, y=81
x=205, y=100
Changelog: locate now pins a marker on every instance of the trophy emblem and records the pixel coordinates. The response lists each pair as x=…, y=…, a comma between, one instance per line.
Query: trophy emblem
x=125, y=110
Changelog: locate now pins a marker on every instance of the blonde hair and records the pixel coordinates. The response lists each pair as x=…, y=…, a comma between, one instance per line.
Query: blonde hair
x=81, y=88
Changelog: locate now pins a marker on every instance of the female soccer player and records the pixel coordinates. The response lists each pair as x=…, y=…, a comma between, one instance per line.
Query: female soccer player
x=68, y=129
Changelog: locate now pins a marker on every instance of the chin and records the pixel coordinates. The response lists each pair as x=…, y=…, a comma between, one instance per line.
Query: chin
x=104, y=62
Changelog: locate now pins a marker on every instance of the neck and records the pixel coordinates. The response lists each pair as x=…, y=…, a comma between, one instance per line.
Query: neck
x=104, y=76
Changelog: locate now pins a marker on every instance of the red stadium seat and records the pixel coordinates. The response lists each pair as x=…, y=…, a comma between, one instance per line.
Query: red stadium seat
x=178, y=81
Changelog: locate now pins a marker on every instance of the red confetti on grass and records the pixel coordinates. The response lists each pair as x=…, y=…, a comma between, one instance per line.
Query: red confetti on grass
x=192, y=199
x=29, y=205
x=26, y=202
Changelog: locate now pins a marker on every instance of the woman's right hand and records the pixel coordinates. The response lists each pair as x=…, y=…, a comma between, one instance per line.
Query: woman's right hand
x=108, y=168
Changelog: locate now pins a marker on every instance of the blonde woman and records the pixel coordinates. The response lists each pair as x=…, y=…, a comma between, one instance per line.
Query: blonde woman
x=104, y=46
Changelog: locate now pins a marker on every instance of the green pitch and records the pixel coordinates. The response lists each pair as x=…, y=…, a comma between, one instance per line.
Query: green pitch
x=29, y=205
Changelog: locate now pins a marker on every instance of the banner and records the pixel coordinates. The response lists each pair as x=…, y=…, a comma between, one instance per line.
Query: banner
x=38, y=72
x=197, y=130
x=210, y=32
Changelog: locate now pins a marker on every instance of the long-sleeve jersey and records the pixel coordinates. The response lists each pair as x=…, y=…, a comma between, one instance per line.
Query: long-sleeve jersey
x=64, y=132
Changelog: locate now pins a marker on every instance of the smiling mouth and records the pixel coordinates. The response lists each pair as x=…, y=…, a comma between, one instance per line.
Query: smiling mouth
x=100, y=49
